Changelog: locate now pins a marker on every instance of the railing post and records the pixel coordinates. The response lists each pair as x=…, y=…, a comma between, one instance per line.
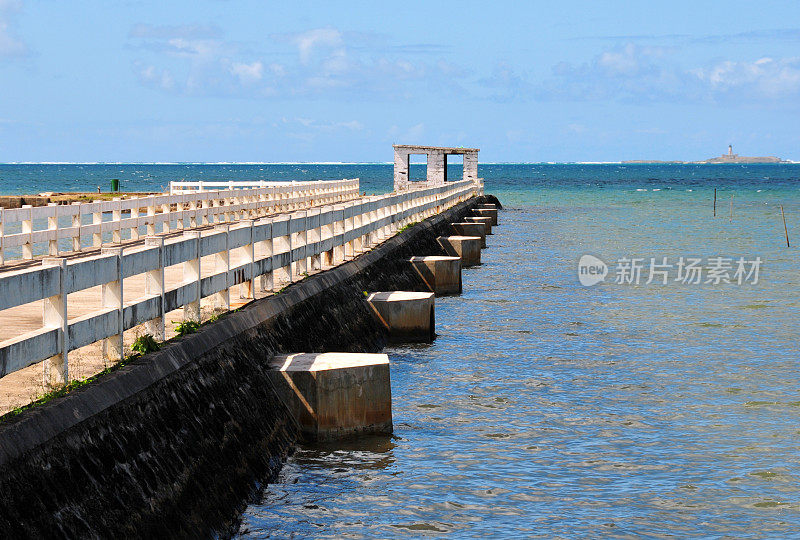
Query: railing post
x=282, y=244
x=112, y=298
x=52, y=225
x=247, y=289
x=76, y=224
x=314, y=237
x=54, y=315
x=268, y=278
x=154, y=286
x=350, y=225
x=151, y=217
x=192, y=274
x=116, y=218
x=222, y=262
x=300, y=240
x=97, y=219
x=135, y=228
x=27, y=228
x=166, y=225
x=338, y=229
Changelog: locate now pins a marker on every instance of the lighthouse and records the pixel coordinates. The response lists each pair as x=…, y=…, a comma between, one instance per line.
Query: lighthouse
x=730, y=149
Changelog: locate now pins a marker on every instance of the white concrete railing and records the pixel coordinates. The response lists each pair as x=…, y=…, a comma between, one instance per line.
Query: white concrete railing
x=204, y=185
x=67, y=222
x=328, y=234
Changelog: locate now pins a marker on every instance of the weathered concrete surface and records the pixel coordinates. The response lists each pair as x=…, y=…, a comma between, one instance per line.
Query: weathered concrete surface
x=173, y=443
x=335, y=395
x=470, y=229
x=442, y=273
x=436, y=163
x=409, y=316
x=486, y=220
x=468, y=248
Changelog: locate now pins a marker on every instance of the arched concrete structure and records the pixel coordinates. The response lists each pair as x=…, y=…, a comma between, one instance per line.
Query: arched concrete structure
x=437, y=164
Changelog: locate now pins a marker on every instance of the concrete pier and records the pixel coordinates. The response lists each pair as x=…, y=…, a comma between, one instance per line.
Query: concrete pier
x=486, y=211
x=409, y=316
x=486, y=220
x=335, y=395
x=471, y=229
x=468, y=248
x=442, y=274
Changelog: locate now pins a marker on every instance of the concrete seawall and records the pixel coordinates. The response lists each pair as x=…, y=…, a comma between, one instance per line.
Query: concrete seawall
x=173, y=443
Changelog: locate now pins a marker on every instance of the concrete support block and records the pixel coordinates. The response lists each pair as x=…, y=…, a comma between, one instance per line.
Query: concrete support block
x=486, y=220
x=485, y=211
x=471, y=229
x=442, y=274
x=409, y=316
x=335, y=395
x=466, y=247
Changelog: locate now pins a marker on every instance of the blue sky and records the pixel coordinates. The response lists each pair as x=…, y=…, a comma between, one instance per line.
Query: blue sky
x=341, y=81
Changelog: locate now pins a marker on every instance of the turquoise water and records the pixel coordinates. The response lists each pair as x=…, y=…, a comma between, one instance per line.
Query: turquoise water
x=546, y=408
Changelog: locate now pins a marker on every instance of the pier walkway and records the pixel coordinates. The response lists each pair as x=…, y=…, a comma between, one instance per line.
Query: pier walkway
x=67, y=317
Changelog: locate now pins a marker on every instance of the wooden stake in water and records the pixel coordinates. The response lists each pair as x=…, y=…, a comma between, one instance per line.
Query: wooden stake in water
x=715, y=202
x=785, y=230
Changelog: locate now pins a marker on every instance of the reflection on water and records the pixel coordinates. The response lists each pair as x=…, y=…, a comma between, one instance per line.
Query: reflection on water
x=545, y=408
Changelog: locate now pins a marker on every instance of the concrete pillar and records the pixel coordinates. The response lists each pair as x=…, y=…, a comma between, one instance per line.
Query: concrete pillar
x=192, y=274
x=466, y=247
x=76, y=224
x=27, y=228
x=401, y=169
x=335, y=395
x=314, y=237
x=54, y=315
x=52, y=225
x=470, y=229
x=470, y=166
x=409, y=316
x=247, y=255
x=112, y=298
x=442, y=274
x=299, y=242
x=280, y=245
x=436, y=168
x=222, y=263
x=483, y=211
x=154, y=286
x=486, y=220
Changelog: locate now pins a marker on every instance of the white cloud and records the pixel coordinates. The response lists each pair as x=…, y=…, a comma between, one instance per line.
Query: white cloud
x=188, y=31
x=10, y=44
x=763, y=78
x=317, y=62
x=650, y=74
x=248, y=73
x=325, y=38
x=160, y=78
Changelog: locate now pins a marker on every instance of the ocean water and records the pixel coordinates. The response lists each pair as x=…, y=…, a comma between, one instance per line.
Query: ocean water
x=552, y=409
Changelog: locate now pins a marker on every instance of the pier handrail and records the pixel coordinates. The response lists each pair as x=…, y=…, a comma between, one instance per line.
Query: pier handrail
x=206, y=185
x=332, y=231
x=198, y=207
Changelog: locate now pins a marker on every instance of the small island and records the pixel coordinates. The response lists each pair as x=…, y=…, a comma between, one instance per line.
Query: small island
x=729, y=158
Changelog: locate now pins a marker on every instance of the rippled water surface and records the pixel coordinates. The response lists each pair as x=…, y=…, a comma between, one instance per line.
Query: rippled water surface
x=545, y=408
